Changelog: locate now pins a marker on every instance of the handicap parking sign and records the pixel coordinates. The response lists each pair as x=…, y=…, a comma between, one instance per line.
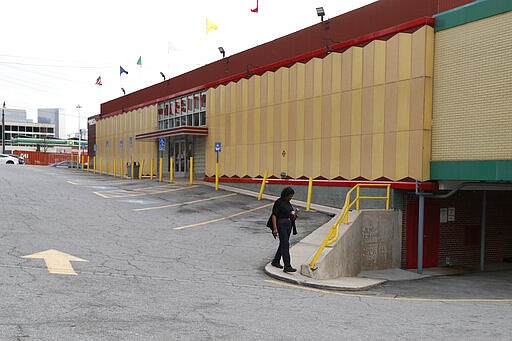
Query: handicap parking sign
x=162, y=143
x=218, y=147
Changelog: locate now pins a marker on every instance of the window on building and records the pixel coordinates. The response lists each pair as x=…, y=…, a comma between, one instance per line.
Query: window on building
x=188, y=110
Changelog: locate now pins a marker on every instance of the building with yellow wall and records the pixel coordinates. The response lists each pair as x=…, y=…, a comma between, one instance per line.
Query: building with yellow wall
x=418, y=97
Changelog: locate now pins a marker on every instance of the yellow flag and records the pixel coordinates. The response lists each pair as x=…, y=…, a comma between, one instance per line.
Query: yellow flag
x=210, y=26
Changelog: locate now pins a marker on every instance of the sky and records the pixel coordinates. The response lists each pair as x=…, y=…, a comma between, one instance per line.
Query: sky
x=53, y=51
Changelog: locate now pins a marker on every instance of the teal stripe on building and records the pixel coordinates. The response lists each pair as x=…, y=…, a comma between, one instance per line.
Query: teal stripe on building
x=471, y=12
x=494, y=170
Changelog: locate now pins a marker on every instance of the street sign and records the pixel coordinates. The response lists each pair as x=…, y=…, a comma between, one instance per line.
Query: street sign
x=106, y=144
x=162, y=144
x=121, y=144
x=95, y=147
x=218, y=147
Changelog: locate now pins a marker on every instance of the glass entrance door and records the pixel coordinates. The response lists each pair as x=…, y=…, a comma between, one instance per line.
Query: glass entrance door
x=180, y=159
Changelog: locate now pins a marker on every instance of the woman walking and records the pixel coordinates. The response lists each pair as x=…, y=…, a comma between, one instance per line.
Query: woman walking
x=283, y=218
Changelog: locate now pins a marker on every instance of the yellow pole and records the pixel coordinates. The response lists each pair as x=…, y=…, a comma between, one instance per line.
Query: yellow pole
x=151, y=168
x=191, y=170
x=107, y=167
x=115, y=168
x=132, y=170
x=94, y=160
x=171, y=169
x=217, y=176
x=88, y=163
x=101, y=166
x=141, y=168
x=161, y=168
x=121, y=175
x=387, y=196
x=310, y=191
x=263, y=185
x=357, y=197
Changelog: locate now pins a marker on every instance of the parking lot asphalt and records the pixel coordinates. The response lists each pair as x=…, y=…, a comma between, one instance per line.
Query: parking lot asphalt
x=156, y=260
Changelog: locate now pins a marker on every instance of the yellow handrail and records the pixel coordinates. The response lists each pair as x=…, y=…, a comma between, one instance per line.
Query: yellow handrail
x=333, y=233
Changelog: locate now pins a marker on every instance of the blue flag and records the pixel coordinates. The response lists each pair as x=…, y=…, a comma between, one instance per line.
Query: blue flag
x=121, y=71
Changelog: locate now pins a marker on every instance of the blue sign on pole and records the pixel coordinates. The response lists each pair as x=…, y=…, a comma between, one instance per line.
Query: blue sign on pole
x=162, y=143
x=121, y=144
x=218, y=147
x=95, y=147
x=107, y=144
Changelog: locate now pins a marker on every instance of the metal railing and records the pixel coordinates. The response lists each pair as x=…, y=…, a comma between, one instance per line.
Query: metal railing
x=333, y=233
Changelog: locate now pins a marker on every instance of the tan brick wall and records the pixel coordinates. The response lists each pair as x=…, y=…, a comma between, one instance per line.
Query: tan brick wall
x=472, y=102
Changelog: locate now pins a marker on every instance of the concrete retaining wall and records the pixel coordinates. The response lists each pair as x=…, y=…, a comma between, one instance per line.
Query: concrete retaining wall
x=371, y=241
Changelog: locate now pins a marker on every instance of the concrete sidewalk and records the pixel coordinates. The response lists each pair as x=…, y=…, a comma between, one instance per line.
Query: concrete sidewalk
x=301, y=252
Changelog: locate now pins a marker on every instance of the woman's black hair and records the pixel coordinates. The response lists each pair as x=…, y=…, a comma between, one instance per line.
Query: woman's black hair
x=287, y=191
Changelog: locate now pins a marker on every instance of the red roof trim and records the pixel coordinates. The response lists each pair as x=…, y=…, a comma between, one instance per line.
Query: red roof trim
x=286, y=62
x=329, y=183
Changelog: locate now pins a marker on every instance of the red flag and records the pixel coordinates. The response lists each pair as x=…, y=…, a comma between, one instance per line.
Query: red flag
x=256, y=9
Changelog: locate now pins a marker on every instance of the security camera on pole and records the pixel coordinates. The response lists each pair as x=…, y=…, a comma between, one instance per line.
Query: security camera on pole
x=79, y=136
x=3, y=128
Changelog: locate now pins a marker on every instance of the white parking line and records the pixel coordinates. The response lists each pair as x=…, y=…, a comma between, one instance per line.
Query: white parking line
x=122, y=193
x=184, y=203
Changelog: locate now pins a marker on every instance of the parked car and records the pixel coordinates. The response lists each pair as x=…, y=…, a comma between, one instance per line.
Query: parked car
x=64, y=164
x=21, y=159
x=8, y=159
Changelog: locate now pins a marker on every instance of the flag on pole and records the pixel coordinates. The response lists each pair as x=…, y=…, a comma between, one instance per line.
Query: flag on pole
x=139, y=62
x=210, y=26
x=98, y=81
x=255, y=10
x=121, y=71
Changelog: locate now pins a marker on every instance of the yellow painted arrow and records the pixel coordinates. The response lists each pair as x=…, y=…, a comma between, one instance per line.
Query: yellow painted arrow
x=56, y=261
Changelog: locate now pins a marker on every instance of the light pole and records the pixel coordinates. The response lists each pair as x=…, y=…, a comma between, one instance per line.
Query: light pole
x=3, y=129
x=79, y=135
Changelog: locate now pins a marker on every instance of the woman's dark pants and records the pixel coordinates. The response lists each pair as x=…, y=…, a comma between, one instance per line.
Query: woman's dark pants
x=284, y=228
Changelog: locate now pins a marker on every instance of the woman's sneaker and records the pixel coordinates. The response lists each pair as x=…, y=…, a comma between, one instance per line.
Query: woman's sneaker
x=289, y=269
x=276, y=265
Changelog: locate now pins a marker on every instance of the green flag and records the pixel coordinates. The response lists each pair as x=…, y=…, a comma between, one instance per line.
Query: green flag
x=139, y=62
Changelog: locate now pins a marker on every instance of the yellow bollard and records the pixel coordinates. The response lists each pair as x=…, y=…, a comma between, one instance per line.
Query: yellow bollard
x=191, y=170
x=171, y=170
x=217, y=176
x=151, y=168
x=141, y=168
x=88, y=163
x=161, y=169
x=101, y=166
x=94, y=160
x=107, y=168
x=121, y=175
x=132, y=170
x=310, y=191
x=115, y=168
x=263, y=185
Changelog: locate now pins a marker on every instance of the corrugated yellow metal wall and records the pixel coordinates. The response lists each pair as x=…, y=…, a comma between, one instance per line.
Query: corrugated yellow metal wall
x=121, y=127
x=365, y=113
x=473, y=91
